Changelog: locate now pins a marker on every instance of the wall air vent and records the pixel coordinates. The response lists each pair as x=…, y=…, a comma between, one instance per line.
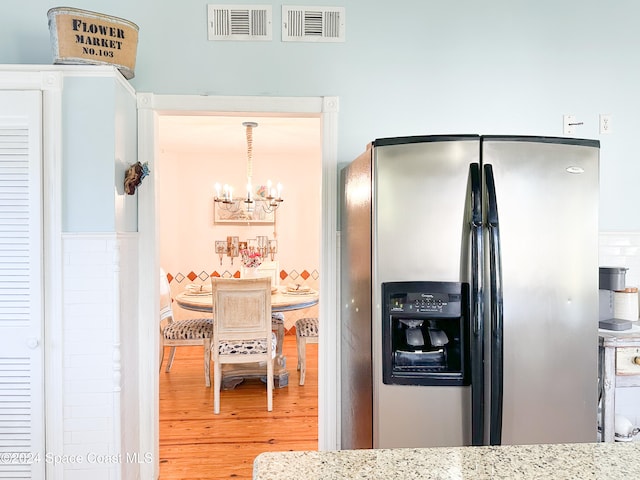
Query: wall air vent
x=239, y=22
x=312, y=24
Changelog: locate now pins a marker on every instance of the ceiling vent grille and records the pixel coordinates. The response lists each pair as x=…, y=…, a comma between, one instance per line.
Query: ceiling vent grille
x=239, y=22
x=312, y=24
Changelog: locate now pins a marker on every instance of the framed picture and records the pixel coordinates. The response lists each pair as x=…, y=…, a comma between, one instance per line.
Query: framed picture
x=273, y=248
x=221, y=249
x=233, y=247
x=237, y=213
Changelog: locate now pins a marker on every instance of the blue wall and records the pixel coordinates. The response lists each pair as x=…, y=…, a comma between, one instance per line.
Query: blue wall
x=98, y=146
x=407, y=67
x=88, y=153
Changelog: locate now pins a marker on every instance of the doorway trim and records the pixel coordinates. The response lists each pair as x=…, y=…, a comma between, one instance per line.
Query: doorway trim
x=150, y=108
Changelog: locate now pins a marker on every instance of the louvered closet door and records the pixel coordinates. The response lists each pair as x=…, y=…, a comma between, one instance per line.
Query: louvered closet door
x=21, y=311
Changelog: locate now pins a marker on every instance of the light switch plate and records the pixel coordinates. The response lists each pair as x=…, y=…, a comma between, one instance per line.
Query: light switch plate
x=568, y=124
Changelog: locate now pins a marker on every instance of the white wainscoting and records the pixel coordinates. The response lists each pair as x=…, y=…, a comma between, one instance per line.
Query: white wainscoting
x=100, y=362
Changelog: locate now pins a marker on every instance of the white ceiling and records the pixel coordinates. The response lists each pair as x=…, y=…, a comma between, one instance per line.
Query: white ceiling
x=224, y=134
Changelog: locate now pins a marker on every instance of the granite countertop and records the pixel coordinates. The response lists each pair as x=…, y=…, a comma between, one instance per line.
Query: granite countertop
x=592, y=461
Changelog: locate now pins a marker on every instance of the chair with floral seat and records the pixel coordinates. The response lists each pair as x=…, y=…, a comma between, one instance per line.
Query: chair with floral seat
x=178, y=333
x=242, y=330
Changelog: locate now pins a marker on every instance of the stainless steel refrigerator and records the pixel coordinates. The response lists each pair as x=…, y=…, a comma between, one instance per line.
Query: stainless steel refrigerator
x=469, y=292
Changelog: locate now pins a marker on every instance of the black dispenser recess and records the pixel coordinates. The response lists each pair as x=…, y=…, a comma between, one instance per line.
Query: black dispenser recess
x=425, y=333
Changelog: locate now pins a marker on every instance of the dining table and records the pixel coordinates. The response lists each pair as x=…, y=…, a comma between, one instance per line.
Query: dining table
x=283, y=299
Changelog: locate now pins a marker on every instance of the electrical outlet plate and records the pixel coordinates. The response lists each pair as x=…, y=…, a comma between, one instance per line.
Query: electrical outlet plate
x=605, y=123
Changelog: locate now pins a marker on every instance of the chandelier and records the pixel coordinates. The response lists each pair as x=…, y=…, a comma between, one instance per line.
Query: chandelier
x=266, y=197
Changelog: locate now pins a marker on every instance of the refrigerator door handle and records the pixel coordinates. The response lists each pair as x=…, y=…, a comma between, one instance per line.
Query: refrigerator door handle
x=476, y=346
x=495, y=278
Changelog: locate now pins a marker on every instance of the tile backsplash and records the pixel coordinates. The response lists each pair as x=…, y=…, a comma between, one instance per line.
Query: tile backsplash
x=310, y=276
x=621, y=249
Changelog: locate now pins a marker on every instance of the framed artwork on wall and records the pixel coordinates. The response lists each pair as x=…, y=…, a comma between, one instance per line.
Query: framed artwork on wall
x=237, y=213
x=221, y=249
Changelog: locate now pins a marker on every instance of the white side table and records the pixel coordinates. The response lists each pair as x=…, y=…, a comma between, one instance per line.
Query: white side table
x=619, y=368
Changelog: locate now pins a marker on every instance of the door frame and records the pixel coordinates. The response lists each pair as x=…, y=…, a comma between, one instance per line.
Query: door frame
x=150, y=108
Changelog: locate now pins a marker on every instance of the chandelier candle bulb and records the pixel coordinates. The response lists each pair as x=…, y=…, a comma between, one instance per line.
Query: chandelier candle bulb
x=227, y=193
x=265, y=196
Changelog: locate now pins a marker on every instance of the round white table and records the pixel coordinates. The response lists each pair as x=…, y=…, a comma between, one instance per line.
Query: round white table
x=281, y=301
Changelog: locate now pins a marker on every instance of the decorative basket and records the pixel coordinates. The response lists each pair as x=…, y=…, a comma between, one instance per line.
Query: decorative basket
x=82, y=37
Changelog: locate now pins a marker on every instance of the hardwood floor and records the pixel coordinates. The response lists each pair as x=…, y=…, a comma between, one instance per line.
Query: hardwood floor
x=196, y=444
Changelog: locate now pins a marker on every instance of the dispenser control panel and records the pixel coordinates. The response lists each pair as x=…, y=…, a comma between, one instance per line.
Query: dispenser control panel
x=426, y=302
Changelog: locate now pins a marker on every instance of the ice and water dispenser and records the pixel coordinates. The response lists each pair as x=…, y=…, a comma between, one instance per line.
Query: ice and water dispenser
x=425, y=329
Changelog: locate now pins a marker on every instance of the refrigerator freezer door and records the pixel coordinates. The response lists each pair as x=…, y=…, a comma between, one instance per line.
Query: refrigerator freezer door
x=356, y=425
x=547, y=195
x=421, y=233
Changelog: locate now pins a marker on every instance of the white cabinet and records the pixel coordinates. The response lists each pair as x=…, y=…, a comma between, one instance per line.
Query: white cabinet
x=21, y=293
x=68, y=273
x=619, y=368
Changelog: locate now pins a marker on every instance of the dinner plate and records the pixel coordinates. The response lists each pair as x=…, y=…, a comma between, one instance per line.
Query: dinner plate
x=299, y=292
x=298, y=288
x=198, y=289
x=196, y=293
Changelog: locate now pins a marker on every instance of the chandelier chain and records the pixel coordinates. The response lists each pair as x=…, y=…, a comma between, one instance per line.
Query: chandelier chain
x=249, y=133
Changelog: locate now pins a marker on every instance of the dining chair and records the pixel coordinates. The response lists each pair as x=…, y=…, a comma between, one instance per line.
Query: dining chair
x=306, y=332
x=242, y=330
x=179, y=333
